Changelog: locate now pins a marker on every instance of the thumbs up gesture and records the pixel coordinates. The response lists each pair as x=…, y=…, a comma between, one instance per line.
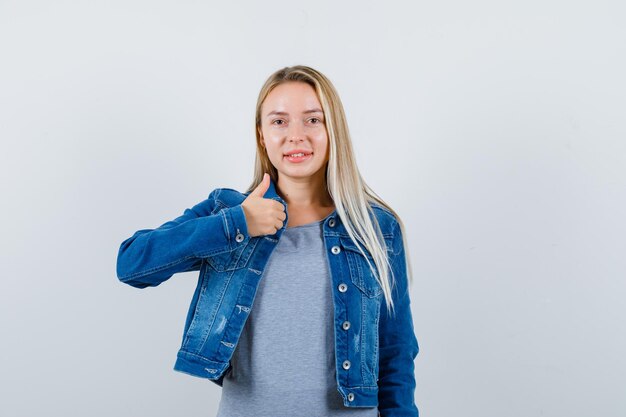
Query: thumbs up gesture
x=264, y=216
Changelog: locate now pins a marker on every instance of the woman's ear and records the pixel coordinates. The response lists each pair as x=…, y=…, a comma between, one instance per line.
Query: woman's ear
x=261, y=138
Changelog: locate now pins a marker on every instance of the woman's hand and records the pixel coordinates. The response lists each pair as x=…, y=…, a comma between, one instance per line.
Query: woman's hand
x=264, y=216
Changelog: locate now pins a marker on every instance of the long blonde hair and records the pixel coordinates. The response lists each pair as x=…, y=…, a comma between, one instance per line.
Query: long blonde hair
x=344, y=183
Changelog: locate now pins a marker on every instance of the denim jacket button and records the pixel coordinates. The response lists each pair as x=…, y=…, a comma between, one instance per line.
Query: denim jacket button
x=335, y=250
x=239, y=237
x=343, y=287
x=350, y=397
x=331, y=222
x=346, y=364
x=346, y=325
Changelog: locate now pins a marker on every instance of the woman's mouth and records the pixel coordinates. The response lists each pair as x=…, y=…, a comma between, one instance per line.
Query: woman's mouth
x=298, y=157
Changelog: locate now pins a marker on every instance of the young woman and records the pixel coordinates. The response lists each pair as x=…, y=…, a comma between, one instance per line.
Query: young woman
x=302, y=306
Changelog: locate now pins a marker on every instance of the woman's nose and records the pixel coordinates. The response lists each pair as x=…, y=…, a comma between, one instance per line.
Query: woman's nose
x=296, y=132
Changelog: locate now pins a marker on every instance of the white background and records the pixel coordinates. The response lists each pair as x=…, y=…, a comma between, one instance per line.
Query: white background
x=495, y=128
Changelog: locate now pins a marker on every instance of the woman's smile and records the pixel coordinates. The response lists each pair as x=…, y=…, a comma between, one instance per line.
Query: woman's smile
x=299, y=157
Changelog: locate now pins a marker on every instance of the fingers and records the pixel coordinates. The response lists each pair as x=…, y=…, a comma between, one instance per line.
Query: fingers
x=261, y=189
x=267, y=215
x=279, y=214
x=278, y=206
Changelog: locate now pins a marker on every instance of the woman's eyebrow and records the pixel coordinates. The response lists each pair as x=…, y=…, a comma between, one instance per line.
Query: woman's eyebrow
x=282, y=113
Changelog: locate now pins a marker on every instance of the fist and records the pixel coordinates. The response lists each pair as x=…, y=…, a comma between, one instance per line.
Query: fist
x=264, y=216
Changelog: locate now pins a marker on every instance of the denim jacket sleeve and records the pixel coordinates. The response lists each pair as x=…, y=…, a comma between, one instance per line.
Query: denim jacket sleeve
x=151, y=256
x=398, y=344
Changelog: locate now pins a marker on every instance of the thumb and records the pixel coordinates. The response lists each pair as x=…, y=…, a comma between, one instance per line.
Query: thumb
x=261, y=189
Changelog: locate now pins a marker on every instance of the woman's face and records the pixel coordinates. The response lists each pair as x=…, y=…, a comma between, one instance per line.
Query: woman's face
x=293, y=121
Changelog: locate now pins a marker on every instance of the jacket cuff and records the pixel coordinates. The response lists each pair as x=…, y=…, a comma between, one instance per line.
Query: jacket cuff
x=235, y=225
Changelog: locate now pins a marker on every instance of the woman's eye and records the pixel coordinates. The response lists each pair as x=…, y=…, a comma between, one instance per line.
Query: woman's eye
x=315, y=120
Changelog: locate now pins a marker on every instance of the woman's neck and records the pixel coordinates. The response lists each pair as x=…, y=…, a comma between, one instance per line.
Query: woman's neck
x=307, y=199
x=304, y=192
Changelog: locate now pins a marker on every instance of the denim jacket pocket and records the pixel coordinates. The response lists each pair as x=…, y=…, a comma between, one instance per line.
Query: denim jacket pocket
x=360, y=272
x=232, y=260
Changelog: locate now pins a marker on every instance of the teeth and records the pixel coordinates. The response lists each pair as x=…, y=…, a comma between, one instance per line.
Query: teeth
x=296, y=154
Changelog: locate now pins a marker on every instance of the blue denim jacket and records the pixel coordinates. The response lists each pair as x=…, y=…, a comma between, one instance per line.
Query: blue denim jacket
x=212, y=237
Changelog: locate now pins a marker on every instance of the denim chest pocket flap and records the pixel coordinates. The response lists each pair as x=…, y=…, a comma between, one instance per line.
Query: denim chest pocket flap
x=360, y=272
x=231, y=260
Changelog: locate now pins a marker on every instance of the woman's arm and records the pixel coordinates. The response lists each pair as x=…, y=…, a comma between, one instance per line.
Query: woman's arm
x=151, y=256
x=398, y=344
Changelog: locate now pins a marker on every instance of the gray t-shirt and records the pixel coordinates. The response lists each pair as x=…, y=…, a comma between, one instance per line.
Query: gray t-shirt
x=284, y=362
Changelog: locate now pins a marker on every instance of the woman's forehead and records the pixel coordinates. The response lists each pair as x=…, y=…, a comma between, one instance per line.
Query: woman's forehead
x=292, y=98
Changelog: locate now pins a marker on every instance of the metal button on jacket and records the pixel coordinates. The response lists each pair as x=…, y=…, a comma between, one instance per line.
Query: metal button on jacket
x=331, y=222
x=346, y=325
x=239, y=237
x=335, y=250
x=350, y=397
x=346, y=364
x=343, y=287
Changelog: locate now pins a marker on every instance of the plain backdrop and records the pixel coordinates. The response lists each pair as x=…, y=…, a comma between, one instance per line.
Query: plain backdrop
x=495, y=129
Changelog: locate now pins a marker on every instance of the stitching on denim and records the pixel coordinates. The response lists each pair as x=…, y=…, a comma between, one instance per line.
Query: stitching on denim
x=217, y=308
x=228, y=321
x=363, y=315
x=216, y=264
x=193, y=321
x=173, y=263
x=192, y=373
x=242, y=250
x=395, y=228
x=225, y=220
x=386, y=235
x=218, y=207
x=244, y=308
x=229, y=189
x=183, y=352
x=359, y=279
x=177, y=261
x=207, y=332
x=376, y=337
x=156, y=269
x=217, y=192
x=232, y=264
x=212, y=252
x=348, y=243
x=368, y=387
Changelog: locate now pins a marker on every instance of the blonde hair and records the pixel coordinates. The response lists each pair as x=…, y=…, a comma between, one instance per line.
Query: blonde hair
x=344, y=183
